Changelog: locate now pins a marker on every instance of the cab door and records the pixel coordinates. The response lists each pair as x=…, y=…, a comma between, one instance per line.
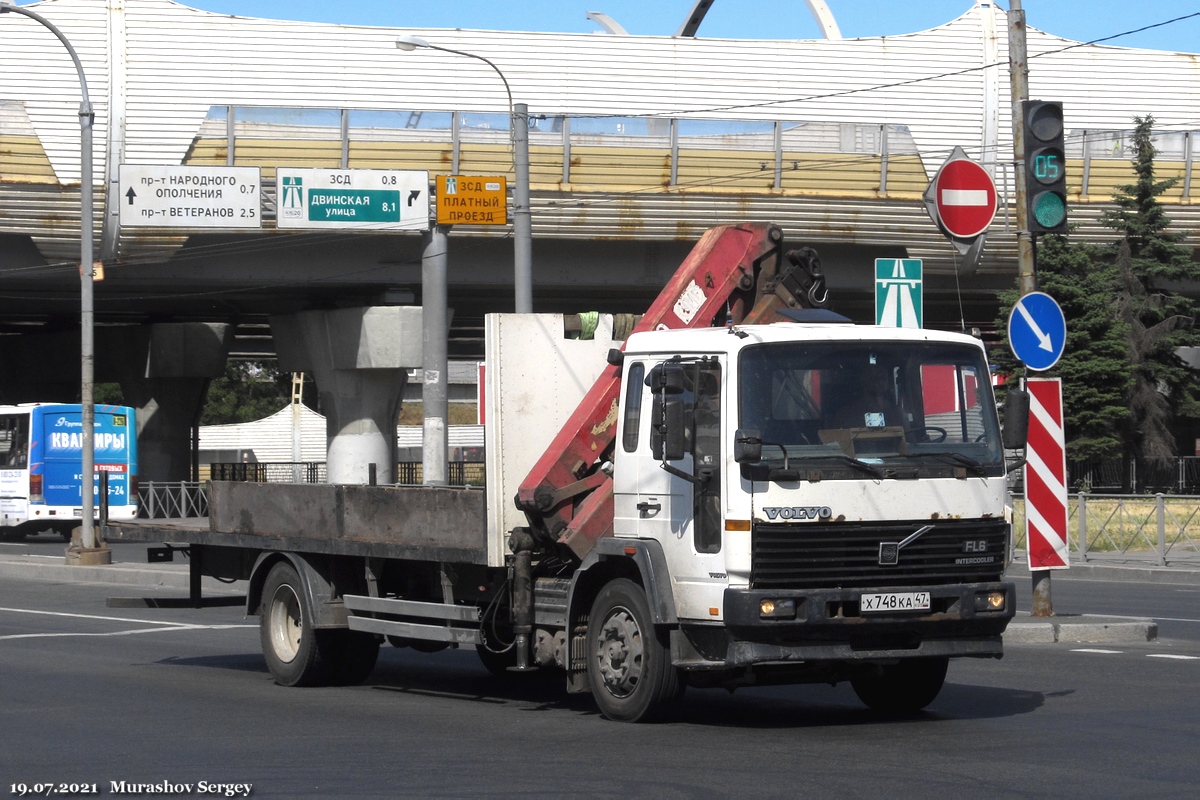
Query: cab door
x=678, y=505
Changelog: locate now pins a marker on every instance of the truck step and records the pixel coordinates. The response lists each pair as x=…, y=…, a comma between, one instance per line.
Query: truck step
x=411, y=619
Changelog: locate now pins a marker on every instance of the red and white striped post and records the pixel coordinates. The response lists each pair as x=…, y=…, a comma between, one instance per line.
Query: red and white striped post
x=1045, y=489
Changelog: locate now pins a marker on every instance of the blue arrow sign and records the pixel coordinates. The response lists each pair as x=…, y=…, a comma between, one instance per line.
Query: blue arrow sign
x=1037, y=331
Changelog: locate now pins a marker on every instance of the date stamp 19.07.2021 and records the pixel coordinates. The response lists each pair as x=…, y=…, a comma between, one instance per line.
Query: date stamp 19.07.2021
x=130, y=788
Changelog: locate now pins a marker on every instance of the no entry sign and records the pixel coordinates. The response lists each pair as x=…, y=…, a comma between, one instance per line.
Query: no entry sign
x=1046, y=477
x=965, y=198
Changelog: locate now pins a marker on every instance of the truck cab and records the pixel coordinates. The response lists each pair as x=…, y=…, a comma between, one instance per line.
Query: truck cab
x=828, y=498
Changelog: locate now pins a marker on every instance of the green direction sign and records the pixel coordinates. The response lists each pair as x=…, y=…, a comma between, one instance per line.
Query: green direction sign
x=353, y=205
x=362, y=199
x=898, y=300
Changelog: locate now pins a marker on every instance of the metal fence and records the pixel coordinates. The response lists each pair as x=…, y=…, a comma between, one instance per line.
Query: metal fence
x=1160, y=529
x=1115, y=475
x=408, y=473
x=172, y=500
x=255, y=472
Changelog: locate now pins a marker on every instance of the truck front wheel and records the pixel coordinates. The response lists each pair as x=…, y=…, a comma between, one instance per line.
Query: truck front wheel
x=296, y=653
x=629, y=663
x=904, y=687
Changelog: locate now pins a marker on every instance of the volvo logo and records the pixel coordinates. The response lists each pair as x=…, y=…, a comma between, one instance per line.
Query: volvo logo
x=889, y=552
x=798, y=512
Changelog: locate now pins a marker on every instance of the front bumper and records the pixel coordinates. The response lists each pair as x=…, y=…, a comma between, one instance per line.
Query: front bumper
x=830, y=626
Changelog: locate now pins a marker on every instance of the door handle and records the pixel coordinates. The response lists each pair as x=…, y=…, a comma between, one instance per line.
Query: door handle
x=645, y=507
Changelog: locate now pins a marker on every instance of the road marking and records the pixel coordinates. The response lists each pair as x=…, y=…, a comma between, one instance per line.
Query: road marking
x=99, y=617
x=126, y=633
x=1093, y=650
x=1172, y=655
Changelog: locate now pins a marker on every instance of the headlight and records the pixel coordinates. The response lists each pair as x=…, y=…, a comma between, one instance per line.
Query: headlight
x=990, y=601
x=777, y=608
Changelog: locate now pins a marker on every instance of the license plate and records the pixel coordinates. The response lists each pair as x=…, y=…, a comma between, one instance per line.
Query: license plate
x=895, y=601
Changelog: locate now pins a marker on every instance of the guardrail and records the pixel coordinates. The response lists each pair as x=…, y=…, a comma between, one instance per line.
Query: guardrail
x=1159, y=528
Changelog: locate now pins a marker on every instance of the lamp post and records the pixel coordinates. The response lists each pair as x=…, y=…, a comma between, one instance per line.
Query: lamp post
x=435, y=441
x=87, y=342
x=518, y=115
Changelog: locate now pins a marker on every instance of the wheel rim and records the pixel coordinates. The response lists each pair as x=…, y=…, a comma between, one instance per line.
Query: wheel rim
x=285, y=623
x=619, y=653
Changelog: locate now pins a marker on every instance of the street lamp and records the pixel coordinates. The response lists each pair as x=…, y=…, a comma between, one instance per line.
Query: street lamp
x=518, y=116
x=87, y=343
x=410, y=43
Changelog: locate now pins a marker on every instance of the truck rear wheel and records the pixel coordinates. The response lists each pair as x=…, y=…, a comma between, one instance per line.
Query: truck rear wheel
x=297, y=654
x=629, y=664
x=904, y=687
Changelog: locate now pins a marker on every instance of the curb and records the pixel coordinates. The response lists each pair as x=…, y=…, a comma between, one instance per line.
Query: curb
x=1082, y=629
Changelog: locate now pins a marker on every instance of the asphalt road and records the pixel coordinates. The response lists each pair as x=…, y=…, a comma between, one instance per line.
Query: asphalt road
x=100, y=695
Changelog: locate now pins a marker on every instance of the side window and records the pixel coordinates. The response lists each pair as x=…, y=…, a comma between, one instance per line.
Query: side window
x=633, y=407
x=706, y=461
x=13, y=435
x=950, y=395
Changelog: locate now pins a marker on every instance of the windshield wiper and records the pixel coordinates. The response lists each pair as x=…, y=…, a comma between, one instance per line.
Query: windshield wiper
x=861, y=466
x=958, y=458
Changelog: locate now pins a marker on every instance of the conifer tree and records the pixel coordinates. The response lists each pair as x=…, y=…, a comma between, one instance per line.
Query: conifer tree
x=1152, y=263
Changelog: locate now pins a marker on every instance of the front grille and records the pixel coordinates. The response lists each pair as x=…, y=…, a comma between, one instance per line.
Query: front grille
x=846, y=554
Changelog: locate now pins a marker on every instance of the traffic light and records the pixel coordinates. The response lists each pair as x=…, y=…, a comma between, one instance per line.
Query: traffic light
x=1045, y=167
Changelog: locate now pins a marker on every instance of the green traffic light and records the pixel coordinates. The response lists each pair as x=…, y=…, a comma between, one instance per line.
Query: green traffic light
x=1050, y=209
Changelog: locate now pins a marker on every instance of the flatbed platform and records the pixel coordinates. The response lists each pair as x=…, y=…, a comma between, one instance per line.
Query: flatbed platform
x=424, y=522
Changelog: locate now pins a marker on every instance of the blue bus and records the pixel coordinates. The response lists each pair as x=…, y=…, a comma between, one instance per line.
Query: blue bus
x=41, y=451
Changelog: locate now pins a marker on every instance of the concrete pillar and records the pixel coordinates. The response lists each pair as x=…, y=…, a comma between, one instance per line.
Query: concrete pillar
x=359, y=358
x=164, y=370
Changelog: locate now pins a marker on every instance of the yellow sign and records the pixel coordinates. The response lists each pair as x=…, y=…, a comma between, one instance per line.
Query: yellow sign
x=472, y=200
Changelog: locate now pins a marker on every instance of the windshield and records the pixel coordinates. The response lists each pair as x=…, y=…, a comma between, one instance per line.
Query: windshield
x=849, y=407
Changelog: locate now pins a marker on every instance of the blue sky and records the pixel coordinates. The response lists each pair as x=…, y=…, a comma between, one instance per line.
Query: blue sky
x=1082, y=20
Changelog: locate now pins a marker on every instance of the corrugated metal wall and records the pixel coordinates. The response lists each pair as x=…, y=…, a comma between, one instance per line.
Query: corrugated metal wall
x=181, y=62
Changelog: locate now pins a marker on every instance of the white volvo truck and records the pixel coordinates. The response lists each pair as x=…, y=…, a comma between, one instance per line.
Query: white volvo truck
x=726, y=498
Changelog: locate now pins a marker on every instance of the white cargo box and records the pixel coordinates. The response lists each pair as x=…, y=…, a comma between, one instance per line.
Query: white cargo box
x=534, y=377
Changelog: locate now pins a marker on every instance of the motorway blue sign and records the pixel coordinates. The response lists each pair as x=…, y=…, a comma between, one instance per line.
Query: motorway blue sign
x=1037, y=331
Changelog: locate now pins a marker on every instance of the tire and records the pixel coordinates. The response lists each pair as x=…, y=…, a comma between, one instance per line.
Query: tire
x=296, y=653
x=904, y=687
x=356, y=657
x=629, y=662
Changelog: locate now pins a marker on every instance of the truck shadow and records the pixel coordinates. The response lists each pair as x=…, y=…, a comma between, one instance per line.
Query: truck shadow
x=458, y=676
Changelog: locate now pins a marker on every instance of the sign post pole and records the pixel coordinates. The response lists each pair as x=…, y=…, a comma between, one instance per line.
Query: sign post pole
x=434, y=359
x=1018, y=72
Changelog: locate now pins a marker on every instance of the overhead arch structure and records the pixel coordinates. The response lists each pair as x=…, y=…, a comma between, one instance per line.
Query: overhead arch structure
x=820, y=11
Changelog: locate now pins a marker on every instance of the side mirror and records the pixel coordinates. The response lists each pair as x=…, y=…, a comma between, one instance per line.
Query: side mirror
x=1016, y=419
x=674, y=444
x=666, y=379
x=747, y=446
